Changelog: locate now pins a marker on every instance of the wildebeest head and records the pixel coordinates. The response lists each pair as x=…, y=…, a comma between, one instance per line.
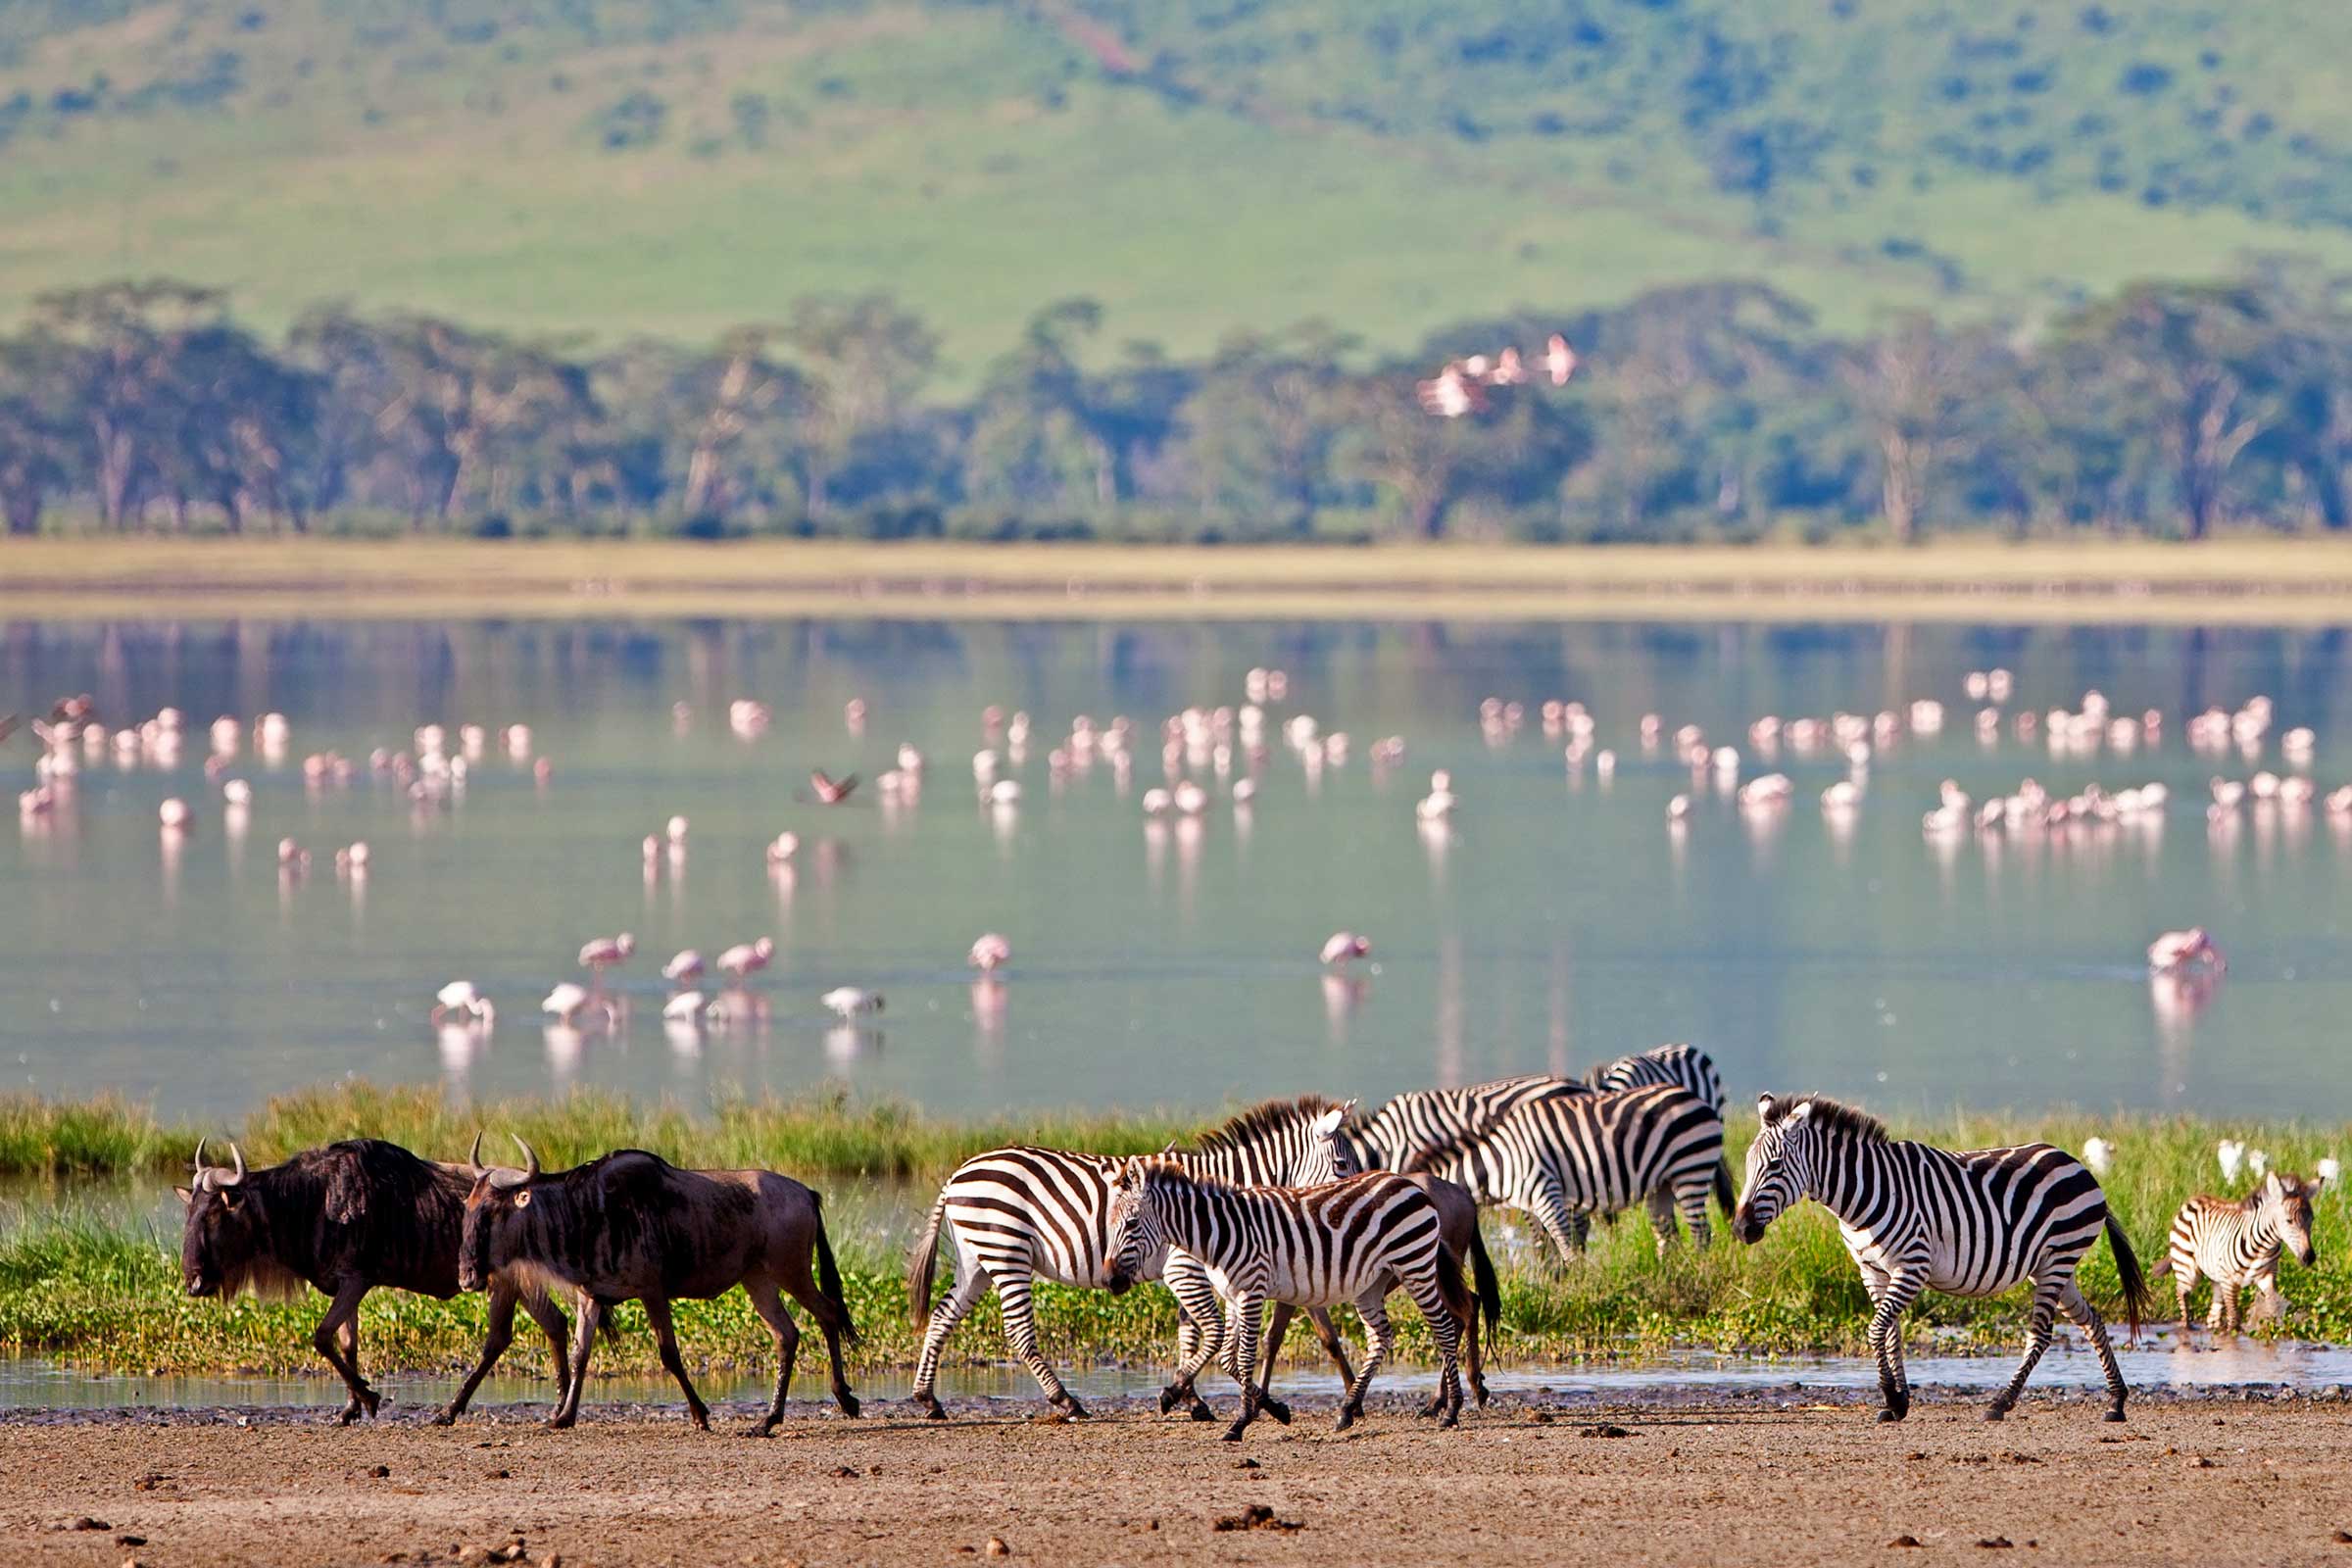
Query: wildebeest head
x=493, y=1214
x=224, y=1240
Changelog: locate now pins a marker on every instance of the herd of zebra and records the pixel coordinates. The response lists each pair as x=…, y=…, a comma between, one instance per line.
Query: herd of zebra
x=1301, y=1204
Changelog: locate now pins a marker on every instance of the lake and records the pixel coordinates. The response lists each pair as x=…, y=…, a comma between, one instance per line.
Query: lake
x=1555, y=922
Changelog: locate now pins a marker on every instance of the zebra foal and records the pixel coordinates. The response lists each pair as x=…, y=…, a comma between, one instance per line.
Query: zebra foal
x=1916, y=1219
x=1345, y=1240
x=2237, y=1243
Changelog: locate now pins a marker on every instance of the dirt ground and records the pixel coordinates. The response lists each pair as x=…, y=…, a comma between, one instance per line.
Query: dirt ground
x=2251, y=1480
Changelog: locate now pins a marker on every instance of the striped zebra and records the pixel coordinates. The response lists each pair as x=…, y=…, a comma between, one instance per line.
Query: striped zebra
x=1021, y=1214
x=2237, y=1243
x=1917, y=1217
x=1346, y=1241
x=1422, y=1120
x=1562, y=1158
x=1457, y=1218
x=1685, y=1065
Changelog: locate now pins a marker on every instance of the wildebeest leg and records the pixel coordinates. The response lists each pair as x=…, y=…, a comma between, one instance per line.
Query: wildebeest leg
x=666, y=1338
x=831, y=1322
x=770, y=1304
x=341, y=1313
x=592, y=1317
x=558, y=1329
x=494, y=1346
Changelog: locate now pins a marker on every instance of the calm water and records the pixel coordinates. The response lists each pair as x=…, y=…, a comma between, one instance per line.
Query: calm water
x=1557, y=922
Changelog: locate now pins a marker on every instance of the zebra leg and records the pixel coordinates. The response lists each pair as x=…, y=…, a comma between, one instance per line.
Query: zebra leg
x=1248, y=1309
x=1373, y=1308
x=1691, y=1197
x=2078, y=1306
x=1020, y=1333
x=2217, y=1308
x=2231, y=1311
x=2046, y=1291
x=1895, y=1294
x=2185, y=1280
x=1447, y=1332
x=971, y=1284
x=1196, y=1301
x=1567, y=1230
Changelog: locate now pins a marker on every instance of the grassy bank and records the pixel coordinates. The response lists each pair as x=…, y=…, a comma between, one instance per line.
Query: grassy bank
x=2264, y=579
x=106, y=1296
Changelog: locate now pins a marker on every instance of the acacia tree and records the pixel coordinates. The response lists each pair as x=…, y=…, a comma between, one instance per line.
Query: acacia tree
x=865, y=358
x=120, y=348
x=40, y=451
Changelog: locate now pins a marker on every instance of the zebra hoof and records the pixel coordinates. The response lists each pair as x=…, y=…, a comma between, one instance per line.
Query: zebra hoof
x=1202, y=1412
x=2115, y=1414
x=1348, y=1415
x=1996, y=1412
x=1451, y=1421
x=1070, y=1407
x=1233, y=1433
x=932, y=1409
x=1277, y=1409
x=1170, y=1398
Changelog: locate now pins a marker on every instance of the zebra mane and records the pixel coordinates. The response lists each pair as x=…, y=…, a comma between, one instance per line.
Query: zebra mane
x=1261, y=1121
x=1834, y=1117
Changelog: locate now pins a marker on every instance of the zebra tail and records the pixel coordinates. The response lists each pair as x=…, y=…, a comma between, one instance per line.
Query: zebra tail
x=1481, y=1271
x=2163, y=1268
x=828, y=1274
x=2127, y=1265
x=922, y=1260
x=1449, y=1286
x=1725, y=1193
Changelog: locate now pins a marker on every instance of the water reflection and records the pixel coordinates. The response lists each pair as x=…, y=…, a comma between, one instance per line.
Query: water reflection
x=197, y=968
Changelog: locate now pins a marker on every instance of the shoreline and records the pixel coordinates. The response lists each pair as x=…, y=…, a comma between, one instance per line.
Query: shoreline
x=2234, y=581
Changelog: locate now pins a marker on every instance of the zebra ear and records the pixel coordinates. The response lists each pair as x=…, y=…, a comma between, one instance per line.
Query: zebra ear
x=1329, y=1122
x=1768, y=1108
x=1800, y=1112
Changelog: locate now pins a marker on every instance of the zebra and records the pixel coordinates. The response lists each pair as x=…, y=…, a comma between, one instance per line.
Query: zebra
x=1421, y=1119
x=1684, y=1064
x=1020, y=1215
x=1457, y=1217
x=1917, y=1217
x=2237, y=1243
x=1560, y=1159
x=1352, y=1240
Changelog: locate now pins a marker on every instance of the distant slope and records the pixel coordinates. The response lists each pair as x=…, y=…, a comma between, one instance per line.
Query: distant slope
x=669, y=166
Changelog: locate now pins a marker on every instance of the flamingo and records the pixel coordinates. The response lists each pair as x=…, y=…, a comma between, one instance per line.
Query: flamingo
x=461, y=996
x=1843, y=796
x=745, y=958
x=2232, y=1156
x=990, y=951
x=687, y=1006
x=1438, y=802
x=1452, y=394
x=831, y=791
x=1677, y=809
x=850, y=1001
x=605, y=951
x=1559, y=360
x=1343, y=946
x=683, y=969
x=565, y=1003
x=2175, y=951
x=174, y=814
x=2100, y=1154
x=784, y=847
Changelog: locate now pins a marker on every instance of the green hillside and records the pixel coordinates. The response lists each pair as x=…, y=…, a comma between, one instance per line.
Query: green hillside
x=670, y=166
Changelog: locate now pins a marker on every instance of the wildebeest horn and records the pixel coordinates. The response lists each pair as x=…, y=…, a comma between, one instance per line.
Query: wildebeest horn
x=200, y=1160
x=473, y=1159
x=530, y=1159
x=237, y=1154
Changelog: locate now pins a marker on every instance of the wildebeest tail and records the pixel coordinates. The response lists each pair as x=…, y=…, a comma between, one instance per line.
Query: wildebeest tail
x=828, y=1273
x=1725, y=1193
x=922, y=1260
x=2127, y=1266
x=1481, y=1272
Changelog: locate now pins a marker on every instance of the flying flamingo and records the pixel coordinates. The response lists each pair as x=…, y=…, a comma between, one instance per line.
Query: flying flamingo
x=831, y=791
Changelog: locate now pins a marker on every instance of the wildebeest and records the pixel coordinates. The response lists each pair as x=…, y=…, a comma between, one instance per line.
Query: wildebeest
x=346, y=1219
x=632, y=1226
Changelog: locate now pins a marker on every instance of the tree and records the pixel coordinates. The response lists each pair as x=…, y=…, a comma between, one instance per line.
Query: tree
x=864, y=357
x=119, y=347
x=40, y=449
x=1916, y=383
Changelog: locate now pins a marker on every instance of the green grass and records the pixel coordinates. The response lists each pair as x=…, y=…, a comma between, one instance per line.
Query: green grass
x=1384, y=167
x=106, y=1296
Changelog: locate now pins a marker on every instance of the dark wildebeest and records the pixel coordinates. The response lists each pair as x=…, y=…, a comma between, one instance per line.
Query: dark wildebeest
x=346, y=1219
x=632, y=1226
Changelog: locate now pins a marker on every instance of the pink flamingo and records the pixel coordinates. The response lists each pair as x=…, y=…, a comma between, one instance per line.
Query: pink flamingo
x=2177, y=951
x=745, y=958
x=605, y=951
x=990, y=951
x=1345, y=946
x=683, y=969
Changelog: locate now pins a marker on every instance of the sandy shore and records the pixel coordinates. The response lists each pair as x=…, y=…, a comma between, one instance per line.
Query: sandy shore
x=2255, y=1479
